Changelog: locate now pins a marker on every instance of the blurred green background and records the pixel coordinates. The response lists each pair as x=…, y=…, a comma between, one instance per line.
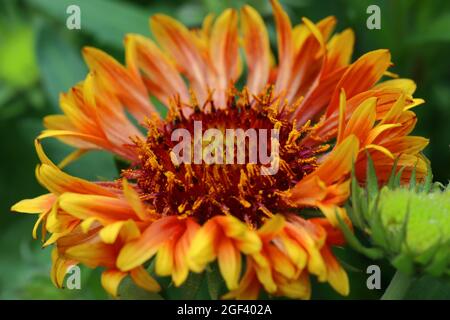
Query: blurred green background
x=40, y=57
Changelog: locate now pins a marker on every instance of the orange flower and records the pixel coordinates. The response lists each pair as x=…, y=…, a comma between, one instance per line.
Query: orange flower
x=292, y=248
x=330, y=113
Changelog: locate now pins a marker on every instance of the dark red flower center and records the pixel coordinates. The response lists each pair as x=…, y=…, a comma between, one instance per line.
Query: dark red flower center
x=204, y=190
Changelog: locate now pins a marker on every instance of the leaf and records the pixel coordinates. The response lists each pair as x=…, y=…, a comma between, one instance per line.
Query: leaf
x=191, y=289
x=426, y=187
x=404, y=263
x=398, y=177
x=130, y=291
x=400, y=237
x=373, y=253
x=60, y=62
x=425, y=257
x=378, y=233
x=215, y=282
x=429, y=288
x=356, y=214
x=391, y=181
x=107, y=20
x=398, y=287
x=372, y=180
x=412, y=181
x=441, y=260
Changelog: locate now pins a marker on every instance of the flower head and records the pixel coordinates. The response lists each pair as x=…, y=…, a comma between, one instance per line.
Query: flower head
x=329, y=113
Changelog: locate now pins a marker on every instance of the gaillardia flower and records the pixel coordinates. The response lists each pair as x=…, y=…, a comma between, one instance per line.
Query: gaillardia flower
x=330, y=114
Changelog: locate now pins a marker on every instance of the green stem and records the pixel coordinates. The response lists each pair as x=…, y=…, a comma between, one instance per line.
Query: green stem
x=398, y=287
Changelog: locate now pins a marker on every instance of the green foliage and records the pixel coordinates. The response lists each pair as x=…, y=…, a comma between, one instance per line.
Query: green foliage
x=39, y=58
x=118, y=18
x=427, y=216
x=433, y=32
x=206, y=285
x=129, y=291
x=17, y=60
x=60, y=63
x=408, y=225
